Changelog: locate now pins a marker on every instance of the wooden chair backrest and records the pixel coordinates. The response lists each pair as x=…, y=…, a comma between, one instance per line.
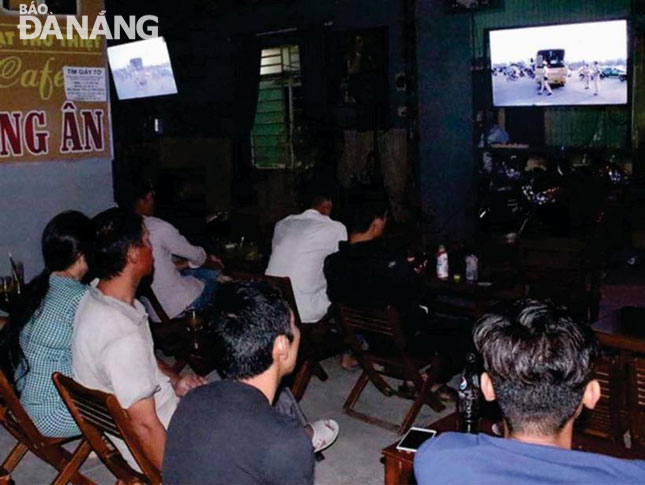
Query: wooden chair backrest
x=388, y=346
x=604, y=420
x=14, y=417
x=283, y=283
x=376, y=321
x=636, y=401
x=146, y=291
x=98, y=415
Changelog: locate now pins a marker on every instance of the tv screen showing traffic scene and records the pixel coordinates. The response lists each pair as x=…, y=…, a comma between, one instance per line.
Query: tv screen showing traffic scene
x=568, y=64
x=141, y=69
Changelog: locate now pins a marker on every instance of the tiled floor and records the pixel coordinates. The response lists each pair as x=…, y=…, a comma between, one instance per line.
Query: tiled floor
x=353, y=459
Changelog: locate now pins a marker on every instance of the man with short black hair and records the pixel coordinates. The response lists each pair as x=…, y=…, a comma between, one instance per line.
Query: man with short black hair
x=537, y=364
x=112, y=348
x=227, y=431
x=300, y=245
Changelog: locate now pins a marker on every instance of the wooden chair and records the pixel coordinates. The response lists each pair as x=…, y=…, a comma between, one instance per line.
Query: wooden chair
x=99, y=415
x=604, y=420
x=177, y=338
x=316, y=344
x=389, y=354
x=16, y=420
x=566, y=271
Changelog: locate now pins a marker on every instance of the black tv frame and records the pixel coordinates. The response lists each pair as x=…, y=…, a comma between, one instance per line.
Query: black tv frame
x=630, y=64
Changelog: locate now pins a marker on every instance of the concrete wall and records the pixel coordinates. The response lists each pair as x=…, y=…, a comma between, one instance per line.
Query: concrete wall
x=203, y=57
x=32, y=193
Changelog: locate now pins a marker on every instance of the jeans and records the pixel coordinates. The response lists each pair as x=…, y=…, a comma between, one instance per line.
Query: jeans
x=286, y=404
x=209, y=277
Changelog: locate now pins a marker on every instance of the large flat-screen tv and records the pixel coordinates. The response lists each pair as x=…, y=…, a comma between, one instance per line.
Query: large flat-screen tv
x=566, y=64
x=141, y=69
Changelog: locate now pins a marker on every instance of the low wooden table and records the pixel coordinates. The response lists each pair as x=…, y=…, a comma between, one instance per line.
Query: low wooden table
x=399, y=464
x=464, y=298
x=621, y=334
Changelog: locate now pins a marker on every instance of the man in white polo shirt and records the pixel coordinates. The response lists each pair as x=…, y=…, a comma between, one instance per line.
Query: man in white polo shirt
x=300, y=245
x=112, y=348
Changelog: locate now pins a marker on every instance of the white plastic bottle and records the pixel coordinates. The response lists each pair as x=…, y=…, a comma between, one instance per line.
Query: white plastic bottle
x=442, y=263
x=472, y=269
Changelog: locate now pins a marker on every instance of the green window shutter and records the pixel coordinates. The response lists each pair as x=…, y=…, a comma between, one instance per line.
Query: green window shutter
x=270, y=137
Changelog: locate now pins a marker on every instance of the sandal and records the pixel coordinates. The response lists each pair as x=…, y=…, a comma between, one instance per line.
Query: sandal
x=349, y=363
x=325, y=433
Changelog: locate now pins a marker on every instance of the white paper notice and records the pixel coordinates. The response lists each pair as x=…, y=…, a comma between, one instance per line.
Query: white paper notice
x=85, y=83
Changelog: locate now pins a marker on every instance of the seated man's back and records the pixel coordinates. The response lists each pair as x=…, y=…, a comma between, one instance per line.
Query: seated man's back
x=113, y=352
x=227, y=432
x=246, y=440
x=300, y=244
x=366, y=273
x=467, y=458
x=174, y=290
x=538, y=366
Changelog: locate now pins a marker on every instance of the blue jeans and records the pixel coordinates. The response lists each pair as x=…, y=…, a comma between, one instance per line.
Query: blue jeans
x=209, y=277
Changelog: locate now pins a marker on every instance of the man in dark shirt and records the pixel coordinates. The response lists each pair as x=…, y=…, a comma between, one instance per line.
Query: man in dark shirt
x=538, y=365
x=364, y=271
x=228, y=432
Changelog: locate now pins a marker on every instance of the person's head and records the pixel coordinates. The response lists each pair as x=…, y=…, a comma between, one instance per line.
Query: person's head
x=67, y=246
x=254, y=331
x=537, y=364
x=323, y=204
x=67, y=242
x=368, y=220
x=122, y=243
x=144, y=198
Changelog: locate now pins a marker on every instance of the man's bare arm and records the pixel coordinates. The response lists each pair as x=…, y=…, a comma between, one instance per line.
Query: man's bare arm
x=181, y=384
x=149, y=430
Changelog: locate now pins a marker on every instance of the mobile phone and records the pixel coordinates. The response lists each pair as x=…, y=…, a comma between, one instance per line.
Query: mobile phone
x=414, y=438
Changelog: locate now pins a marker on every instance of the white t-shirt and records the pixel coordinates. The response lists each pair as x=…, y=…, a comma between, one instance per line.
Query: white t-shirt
x=112, y=351
x=300, y=245
x=174, y=291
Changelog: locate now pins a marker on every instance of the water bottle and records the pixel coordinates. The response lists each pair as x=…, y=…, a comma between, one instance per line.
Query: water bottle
x=442, y=263
x=469, y=395
x=472, y=268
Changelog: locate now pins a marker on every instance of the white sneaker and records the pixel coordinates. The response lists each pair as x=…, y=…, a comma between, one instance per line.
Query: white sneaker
x=325, y=433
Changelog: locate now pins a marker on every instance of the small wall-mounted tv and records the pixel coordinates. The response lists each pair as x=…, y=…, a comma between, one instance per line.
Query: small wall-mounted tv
x=141, y=69
x=582, y=63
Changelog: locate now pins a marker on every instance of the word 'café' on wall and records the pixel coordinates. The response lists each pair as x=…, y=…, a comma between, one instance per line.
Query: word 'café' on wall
x=54, y=92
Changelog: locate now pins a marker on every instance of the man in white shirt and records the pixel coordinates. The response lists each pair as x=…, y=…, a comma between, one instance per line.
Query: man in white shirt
x=544, y=82
x=112, y=348
x=596, y=78
x=191, y=283
x=300, y=245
